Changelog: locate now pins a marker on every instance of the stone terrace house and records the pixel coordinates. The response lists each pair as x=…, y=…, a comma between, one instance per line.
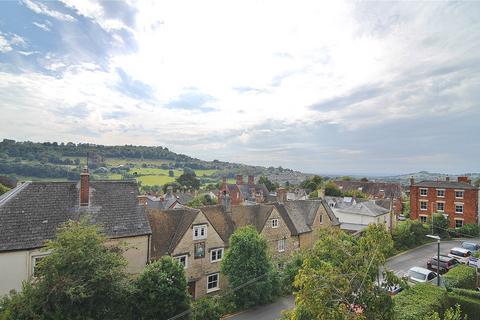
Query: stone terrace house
x=376, y=191
x=244, y=193
x=31, y=213
x=457, y=200
x=198, y=237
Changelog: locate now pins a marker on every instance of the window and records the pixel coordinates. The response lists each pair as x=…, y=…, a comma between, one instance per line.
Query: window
x=321, y=218
x=212, y=282
x=35, y=261
x=459, y=194
x=183, y=259
x=441, y=193
x=199, y=249
x=274, y=223
x=458, y=208
x=281, y=245
x=423, y=192
x=423, y=205
x=200, y=232
x=216, y=255
x=423, y=219
x=458, y=223
x=440, y=206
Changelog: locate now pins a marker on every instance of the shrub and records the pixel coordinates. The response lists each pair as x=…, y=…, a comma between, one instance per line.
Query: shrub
x=207, y=308
x=467, y=230
x=470, y=305
x=461, y=277
x=290, y=271
x=407, y=234
x=467, y=293
x=419, y=301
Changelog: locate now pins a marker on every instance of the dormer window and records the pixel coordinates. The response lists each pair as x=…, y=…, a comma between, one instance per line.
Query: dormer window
x=200, y=232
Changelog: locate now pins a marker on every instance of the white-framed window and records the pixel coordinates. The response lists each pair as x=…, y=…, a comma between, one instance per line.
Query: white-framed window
x=440, y=206
x=424, y=205
x=459, y=194
x=200, y=232
x=423, y=219
x=441, y=193
x=213, y=282
x=281, y=245
x=216, y=255
x=458, y=208
x=183, y=259
x=458, y=223
x=274, y=223
x=321, y=218
x=35, y=260
x=423, y=192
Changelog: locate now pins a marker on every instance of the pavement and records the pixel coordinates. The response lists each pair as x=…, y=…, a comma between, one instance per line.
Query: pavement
x=399, y=264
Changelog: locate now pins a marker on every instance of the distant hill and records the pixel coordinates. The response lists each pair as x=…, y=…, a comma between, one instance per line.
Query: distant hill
x=150, y=165
x=425, y=175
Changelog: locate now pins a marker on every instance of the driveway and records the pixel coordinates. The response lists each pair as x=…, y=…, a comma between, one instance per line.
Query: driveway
x=399, y=264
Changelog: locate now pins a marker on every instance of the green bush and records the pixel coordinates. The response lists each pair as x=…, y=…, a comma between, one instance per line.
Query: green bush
x=419, y=301
x=461, y=277
x=207, y=308
x=290, y=271
x=467, y=230
x=408, y=234
x=470, y=306
x=467, y=293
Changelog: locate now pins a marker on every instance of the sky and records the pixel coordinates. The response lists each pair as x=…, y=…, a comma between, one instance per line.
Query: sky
x=320, y=87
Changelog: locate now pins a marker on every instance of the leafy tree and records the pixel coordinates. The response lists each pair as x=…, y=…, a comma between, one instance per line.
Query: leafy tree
x=347, y=178
x=3, y=189
x=269, y=184
x=338, y=277
x=440, y=225
x=248, y=264
x=355, y=193
x=364, y=179
x=202, y=200
x=175, y=186
x=454, y=313
x=313, y=195
x=476, y=183
x=189, y=180
x=331, y=189
x=207, y=308
x=161, y=290
x=82, y=278
x=290, y=271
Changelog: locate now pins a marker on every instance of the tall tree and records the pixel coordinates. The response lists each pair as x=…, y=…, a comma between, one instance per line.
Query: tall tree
x=269, y=184
x=338, y=277
x=248, y=268
x=189, y=180
x=161, y=290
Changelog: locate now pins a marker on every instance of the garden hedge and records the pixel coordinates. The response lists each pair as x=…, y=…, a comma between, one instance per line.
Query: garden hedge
x=469, y=304
x=461, y=277
x=419, y=301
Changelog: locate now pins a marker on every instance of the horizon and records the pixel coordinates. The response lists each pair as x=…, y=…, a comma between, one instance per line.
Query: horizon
x=353, y=87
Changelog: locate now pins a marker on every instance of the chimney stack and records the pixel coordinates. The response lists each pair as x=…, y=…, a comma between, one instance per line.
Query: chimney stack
x=463, y=179
x=239, y=179
x=282, y=195
x=226, y=202
x=142, y=200
x=412, y=181
x=447, y=178
x=84, y=187
x=251, y=180
x=169, y=191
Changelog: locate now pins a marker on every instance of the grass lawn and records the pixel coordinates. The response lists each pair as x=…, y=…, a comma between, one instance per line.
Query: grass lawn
x=155, y=180
x=137, y=162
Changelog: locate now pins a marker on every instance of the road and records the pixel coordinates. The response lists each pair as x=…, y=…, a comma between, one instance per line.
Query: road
x=399, y=264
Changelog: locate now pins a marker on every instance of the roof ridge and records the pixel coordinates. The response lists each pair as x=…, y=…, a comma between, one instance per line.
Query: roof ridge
x=12, y=193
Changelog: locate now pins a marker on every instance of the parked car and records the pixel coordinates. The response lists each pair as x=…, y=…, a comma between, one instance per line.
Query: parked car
x=472, y=246
x=460, y=254
x=473, y=262
x=421, y=275
x=446, y=263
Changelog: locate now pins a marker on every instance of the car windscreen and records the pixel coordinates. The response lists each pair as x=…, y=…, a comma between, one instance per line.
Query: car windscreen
x=416, y=275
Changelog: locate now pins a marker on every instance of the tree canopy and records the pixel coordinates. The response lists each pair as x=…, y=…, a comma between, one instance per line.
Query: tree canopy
x=189, y=180
x=269, y=184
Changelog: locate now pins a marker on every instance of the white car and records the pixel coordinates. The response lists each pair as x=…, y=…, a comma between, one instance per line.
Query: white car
x=473, y=262
x=460, y=254
x=421, y=275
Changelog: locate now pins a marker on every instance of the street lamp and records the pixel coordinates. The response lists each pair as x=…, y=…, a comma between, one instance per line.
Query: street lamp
x=438, y=256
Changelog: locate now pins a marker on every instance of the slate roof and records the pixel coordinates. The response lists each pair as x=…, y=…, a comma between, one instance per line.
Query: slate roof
x=168, y=228
x=8, y=182
x=365, y=207
x=444, y=184
x=32, y=212
x=156, y=203
x=222, y=222
x=259, y=188
x=372, y=188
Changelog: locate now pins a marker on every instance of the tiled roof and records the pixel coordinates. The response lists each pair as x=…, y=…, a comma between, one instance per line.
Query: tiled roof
x=372, y=188
x=444, y=184
x=360, y=207
x=220, y=221
x=168, y=227
x=32, y=212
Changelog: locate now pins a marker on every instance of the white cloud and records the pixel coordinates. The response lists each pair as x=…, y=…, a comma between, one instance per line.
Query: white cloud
x=42, y=26
x=4, y=44
x=41, y=8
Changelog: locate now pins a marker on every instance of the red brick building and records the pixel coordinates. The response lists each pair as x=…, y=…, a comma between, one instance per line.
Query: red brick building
x=242, y=193
x=456, y=200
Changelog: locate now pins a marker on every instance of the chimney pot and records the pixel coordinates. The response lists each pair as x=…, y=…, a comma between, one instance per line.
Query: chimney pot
x=251, y=180
x=239, y=179
x=447, y=178
x=463, y=179
x=84, y=187
x=142, y=200
x=412, y=181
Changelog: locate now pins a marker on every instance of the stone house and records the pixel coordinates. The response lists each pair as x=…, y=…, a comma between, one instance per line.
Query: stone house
x=31, y=213
x=457, y=200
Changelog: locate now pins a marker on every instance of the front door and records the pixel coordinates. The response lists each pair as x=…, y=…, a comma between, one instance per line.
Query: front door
x=191, y=289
